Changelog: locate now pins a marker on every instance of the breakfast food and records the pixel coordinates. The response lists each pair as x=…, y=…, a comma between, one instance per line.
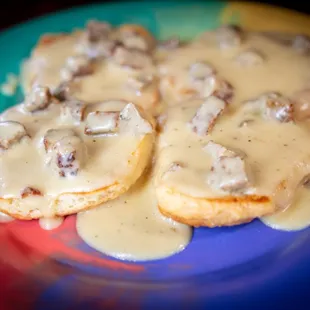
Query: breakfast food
x=97, y=63
x=227, y=115
x=61, y=158
x=236, y=130
x=224, y=177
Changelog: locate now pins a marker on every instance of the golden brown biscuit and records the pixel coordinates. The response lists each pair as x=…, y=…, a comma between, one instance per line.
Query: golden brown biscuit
x=215, y=169
x=52, y=167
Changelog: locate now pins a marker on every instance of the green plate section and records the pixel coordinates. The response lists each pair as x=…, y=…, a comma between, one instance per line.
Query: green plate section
x=164, y=18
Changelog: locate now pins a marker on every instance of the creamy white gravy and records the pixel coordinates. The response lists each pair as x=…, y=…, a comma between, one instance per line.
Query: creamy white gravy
x=132, y=228
x=50, y=223
x=283, y=70
x=295, y=217
x=4, y=218
x=272, y=150
x=109, y=81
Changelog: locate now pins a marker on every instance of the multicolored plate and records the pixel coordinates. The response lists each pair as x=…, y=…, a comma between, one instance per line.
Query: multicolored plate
x=244, y=266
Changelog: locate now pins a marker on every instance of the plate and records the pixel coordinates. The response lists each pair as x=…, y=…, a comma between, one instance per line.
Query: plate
x=222, y=267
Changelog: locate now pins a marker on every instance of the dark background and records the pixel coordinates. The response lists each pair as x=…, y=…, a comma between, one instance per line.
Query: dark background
x=13, y=12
